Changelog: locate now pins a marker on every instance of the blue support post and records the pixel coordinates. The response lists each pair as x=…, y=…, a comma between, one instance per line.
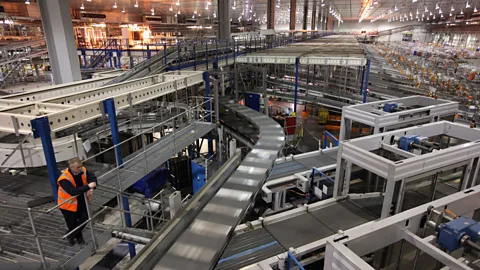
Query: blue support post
x=165, y=53
x=179, y=56
x=85, y=62
x=297, y=62
x=206, y=54
x=216, y=52
x=234, y=52
x=109, y=107
x=226, y=51
x=111, y=59
x=195, y=56
x=128, y=223
x=149, y=53
x=366, y=82
x=361, y=83
x=41, y=129
x=119, y=59
x=206, y=79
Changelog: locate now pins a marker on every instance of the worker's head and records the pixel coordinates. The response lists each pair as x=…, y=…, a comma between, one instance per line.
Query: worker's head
x=75, y=165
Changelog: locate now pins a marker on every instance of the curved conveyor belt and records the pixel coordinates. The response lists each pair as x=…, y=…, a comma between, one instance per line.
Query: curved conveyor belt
x=202, y=243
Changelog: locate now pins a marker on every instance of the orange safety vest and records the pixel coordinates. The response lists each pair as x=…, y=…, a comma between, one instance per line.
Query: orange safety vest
x=64, y=196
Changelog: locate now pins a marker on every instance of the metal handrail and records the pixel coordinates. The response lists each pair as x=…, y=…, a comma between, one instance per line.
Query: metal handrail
x=133, y=137
x=120, y=166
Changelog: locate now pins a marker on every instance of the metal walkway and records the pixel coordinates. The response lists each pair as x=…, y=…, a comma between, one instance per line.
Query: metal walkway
x=140, y=163
x=17, y=191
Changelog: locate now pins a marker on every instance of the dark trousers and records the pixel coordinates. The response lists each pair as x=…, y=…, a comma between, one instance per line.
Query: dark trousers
x=73, y=219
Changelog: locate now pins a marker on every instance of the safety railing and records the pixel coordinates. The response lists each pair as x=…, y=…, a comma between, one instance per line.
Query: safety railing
x=150, y=217
x=312, y=183
x=195, y=114
x=326, y=136
x=296, y=263
x=191, y=116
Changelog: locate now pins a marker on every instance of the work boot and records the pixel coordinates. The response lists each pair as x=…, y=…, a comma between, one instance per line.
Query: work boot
x=80, y=240
x=71, y=241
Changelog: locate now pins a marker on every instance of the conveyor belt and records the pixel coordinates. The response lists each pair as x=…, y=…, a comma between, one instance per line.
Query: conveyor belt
x=202, y=243
x=296, y=231
x=302, y=164
x=246, y=248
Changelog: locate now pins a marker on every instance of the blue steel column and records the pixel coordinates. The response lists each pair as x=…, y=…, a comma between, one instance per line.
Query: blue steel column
x=132, y=64
x=297, y=62
x=206, y=79
x=366, y=82
x=119, y=59
x=85, y=62
x=109, y=107
x=41, y=129
x=165, y=53
x=195, y=56
x=361, y=83
x=234, y=52
x=206, y=55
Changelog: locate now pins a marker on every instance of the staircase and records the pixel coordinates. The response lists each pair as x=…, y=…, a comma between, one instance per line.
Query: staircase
x=100, y=55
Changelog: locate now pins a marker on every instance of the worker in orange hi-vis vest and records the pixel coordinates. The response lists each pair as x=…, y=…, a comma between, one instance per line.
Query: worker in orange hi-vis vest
x=72, y=184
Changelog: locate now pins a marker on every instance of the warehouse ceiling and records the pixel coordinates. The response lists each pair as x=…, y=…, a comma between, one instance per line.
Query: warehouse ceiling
x=256, y=10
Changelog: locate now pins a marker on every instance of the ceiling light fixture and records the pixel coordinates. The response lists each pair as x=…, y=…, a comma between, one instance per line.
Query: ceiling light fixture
x=27, y=2
x=450, y=14
x=475, y=9
x=136, y=3
x=82, y=7
x=115, y=4
x=153, y=11
x=171, y=8
x=123, y=11
x=89, y=0
x=178, y=3
x=467, y=5
x=461, y=12
x=436, y=6
x=396, y=9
